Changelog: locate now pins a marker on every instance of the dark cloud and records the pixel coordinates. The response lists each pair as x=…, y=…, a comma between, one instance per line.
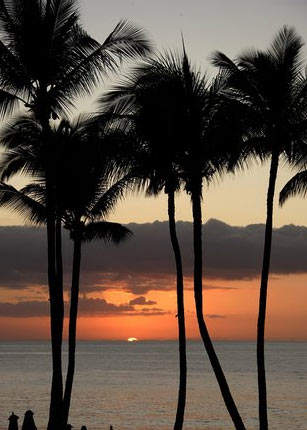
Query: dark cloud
x=218, y=287
x=145, y=262
x=22, y=257
x=100, y=307
x=142, y=301
x=152, y=309
x=215, y=316
x=236, y=252
x=136, y=283
x=87, y=307
x=151, y=312
x=24, y=309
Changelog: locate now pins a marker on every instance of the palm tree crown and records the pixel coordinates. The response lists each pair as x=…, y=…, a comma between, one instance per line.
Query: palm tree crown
x=272, y=85
x=47, y=59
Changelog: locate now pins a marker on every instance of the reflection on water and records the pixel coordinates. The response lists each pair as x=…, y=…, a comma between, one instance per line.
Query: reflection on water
x=134, y=385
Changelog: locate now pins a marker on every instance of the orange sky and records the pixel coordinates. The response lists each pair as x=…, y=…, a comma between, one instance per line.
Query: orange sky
x=231, y=314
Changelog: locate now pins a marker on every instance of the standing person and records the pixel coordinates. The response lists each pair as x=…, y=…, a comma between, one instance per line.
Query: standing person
x=13, y=424
x=28, y=421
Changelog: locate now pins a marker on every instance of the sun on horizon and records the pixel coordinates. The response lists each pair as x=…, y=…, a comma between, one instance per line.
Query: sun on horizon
x=132, y=339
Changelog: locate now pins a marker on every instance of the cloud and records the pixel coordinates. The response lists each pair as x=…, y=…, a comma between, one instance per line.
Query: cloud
x=236, y=252
x=87, y=307
x=100, y=307
x=218, y=287
x=142, y=301
x=146, y=262
x=24, y=309
x=215, y=316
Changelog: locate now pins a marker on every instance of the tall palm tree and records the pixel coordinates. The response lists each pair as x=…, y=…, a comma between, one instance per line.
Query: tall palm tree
x=81, y=203
x=272, y=86
x=46, y=61
x=213, y=147
x=152, y=153
x=177, y=112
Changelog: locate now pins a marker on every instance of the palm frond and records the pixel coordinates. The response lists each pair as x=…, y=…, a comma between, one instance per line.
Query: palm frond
x=8, y=103
x=109, y=197
x=107, y=231
x=126, y=41
x=286, y=48
x=20, y=161
x=23, y=132
x=29, y=209
x=296, y=186
x=36, y=191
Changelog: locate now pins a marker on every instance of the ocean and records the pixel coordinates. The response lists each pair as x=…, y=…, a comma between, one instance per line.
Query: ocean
x=133, y=385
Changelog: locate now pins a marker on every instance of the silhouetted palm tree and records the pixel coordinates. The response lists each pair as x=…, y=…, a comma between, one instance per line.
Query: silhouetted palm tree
x=213, y=146
x=46, y=61
x=81, y=202
x=147, y=106
x=272, y=86
x=177, y=110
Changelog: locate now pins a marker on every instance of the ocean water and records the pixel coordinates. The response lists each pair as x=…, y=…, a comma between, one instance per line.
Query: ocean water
x=133, y=386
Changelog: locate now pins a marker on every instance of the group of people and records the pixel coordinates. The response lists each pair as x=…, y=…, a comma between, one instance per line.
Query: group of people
x=28, y=421
x=29, y=424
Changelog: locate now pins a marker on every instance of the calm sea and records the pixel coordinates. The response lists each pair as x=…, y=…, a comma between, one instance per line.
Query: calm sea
x=133, y=386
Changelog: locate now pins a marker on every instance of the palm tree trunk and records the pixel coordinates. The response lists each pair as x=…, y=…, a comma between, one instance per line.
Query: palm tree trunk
x=180, y=311
x=262, y=392
x=60, y=306
x=56, y=319
x=55, y=421
x=219, y=374
x=74, y=297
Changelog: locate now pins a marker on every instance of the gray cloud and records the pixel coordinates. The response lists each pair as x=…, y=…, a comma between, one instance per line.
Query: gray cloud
x=100, y=307
x=218, y=287
x=24, y=309
x=146, y=262
x=142, y=301
x=87, y=307
x=215, y=316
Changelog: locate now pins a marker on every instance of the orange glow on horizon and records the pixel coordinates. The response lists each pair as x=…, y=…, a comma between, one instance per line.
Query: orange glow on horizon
x=230, y=308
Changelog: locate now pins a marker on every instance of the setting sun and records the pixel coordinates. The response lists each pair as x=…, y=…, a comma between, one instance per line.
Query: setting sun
x=132, y=339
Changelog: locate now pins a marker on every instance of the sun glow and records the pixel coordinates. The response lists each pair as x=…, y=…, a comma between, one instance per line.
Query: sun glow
x=132, y=339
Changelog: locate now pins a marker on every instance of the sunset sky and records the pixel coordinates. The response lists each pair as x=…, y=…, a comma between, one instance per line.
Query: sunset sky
x=129, y=291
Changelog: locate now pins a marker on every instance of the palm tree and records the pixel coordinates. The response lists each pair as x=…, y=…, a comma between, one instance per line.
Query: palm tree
x=151, y=154
x=213, y=147
x=85, y=200
x=46, y=61
x=176, y=111
x=81, y=202
x=272, y=86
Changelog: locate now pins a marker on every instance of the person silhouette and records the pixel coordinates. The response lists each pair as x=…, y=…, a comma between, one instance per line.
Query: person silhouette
x=28, y=421
x=13, y=424
x=83, y=428
x=111, y=427
x=69, y=426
